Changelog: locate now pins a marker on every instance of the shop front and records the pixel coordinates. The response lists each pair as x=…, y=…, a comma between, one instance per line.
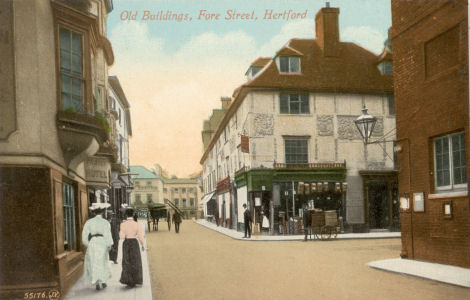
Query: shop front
x=276, y=196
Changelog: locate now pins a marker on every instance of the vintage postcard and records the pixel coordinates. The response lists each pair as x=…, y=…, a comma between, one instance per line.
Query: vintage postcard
x=234, y=149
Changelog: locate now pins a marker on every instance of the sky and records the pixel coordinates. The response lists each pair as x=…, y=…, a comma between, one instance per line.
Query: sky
x=174, y=72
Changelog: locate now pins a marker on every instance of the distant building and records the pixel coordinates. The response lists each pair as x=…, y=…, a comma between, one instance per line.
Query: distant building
x=210, y=125
x=55, y=147
x=155, y=187
x=430, y=46
x=292, y=122
x=121, y=133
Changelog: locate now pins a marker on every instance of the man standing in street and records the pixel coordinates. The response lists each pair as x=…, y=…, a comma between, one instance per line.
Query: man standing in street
x=177, y=221
x=247, y=220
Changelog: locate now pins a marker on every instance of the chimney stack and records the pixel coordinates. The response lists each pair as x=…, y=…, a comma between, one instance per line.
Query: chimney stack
x=327, y=30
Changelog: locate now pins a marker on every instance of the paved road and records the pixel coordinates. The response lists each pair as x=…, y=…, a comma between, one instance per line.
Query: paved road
x=199, y=263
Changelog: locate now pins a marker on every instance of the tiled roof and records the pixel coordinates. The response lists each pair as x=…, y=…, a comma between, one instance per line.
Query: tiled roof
x=354, y=70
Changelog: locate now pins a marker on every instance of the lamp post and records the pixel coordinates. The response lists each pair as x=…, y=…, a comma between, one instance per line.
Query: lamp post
x=365, y=123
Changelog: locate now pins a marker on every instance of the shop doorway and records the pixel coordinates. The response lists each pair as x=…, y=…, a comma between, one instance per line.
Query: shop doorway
x=379, y=204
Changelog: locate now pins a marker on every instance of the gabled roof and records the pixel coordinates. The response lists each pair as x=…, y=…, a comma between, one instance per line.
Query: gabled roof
x=260, y=62
x=354, y=70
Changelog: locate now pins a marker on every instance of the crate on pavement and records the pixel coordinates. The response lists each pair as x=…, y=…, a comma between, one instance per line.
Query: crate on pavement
x=331, y=218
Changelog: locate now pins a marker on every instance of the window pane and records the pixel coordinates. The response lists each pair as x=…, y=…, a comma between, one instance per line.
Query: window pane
x=64, y=39
x=284, y=63
x=284, y=104
x=294, y=63
x=296, y=151
x=304, y=108
x=458, y=158
x=294, y=104
x=441, y=149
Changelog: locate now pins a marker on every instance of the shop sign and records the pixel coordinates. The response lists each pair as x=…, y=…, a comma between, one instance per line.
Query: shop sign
x=97, y=169
x=257, y=201
x=245, y=144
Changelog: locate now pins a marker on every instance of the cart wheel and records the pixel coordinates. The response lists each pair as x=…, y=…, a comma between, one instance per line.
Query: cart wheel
x=325, y=233
x=316, y=232
x=335, y=231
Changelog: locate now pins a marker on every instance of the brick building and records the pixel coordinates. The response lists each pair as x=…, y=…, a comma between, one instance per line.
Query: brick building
x=430, y=57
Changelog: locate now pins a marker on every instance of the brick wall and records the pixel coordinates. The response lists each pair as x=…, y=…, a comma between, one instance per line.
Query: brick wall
x=431, y=100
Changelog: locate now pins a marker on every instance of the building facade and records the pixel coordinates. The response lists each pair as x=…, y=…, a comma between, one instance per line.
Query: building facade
x=430, y=44
x=155, y=186
x=291, y=125
x=55, y=150
x=122, y=131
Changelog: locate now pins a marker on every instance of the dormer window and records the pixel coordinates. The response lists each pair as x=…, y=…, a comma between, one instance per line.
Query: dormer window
x=289, y=64
x=386, y=68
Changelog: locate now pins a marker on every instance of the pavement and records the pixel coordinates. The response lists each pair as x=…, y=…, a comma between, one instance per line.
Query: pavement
x=427, y=270
x=116, y=290
x=432, y=271
x=296, y=237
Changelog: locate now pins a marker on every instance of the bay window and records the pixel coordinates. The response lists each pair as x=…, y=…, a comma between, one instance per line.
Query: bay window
x=71, y=70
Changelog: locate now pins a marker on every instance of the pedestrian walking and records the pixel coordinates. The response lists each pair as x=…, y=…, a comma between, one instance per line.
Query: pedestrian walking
x=131, y=232
x=247, y=220
x=307, y=221
x=115, y=224
x=177, y=221
x=96, y=236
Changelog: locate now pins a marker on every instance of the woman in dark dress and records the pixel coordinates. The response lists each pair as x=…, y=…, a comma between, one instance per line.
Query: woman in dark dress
x=131, y=231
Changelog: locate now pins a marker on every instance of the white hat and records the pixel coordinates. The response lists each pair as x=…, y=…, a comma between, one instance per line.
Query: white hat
x=99, y=206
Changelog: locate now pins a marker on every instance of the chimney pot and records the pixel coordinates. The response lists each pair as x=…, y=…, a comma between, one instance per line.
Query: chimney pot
x=327, y=4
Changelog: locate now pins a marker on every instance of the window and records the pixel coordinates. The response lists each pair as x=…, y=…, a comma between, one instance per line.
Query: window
x=294, y=103
x=191, y=190
x=183, y=190
x=296, y=150
x=184, y=202
x=177, y=202
x=68, y=196
x=386, y=68
x=71, y=70
x=191, y=202
x=164, y=190
x=175, y=190
x=449, y=161
x=289, y=64
x=137, y=198
x=149, y=198
x=255, y=70
x=149, y=183
x=391, y=104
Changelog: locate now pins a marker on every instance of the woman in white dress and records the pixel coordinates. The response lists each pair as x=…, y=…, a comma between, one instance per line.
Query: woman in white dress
x=96, y=236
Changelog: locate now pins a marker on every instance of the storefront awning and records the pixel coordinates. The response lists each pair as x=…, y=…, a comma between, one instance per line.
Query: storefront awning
x=206, y=198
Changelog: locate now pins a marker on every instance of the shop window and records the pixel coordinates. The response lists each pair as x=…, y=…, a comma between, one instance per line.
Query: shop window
x=71, y=70
x=296, y=150
x=294, y=103
x=68, y=195
x=449, y=162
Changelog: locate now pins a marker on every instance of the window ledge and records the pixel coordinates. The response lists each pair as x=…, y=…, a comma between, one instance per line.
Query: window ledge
x=457, y=194
x=290, y=115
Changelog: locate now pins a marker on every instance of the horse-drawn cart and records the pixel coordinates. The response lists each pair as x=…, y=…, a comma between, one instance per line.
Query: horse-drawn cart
x=324, y=224
x=155, y=212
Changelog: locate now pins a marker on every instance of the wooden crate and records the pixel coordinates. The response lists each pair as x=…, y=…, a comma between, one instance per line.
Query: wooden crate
x=331, y=218
x=318, y=218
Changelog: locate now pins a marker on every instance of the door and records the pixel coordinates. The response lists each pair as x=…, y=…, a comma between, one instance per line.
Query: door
x=379, y=205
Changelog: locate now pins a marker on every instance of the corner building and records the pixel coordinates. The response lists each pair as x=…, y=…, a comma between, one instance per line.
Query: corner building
x=430, y=44
x=55, y=149
x=292, y=122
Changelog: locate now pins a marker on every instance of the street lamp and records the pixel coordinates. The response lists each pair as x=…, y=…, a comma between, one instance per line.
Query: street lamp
x=365, y=123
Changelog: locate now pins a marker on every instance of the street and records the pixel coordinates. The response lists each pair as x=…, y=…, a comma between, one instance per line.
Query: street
x=199, y=263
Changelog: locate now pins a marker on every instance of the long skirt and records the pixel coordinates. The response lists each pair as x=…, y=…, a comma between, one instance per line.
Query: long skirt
x=131, y=263
x=96, y=261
